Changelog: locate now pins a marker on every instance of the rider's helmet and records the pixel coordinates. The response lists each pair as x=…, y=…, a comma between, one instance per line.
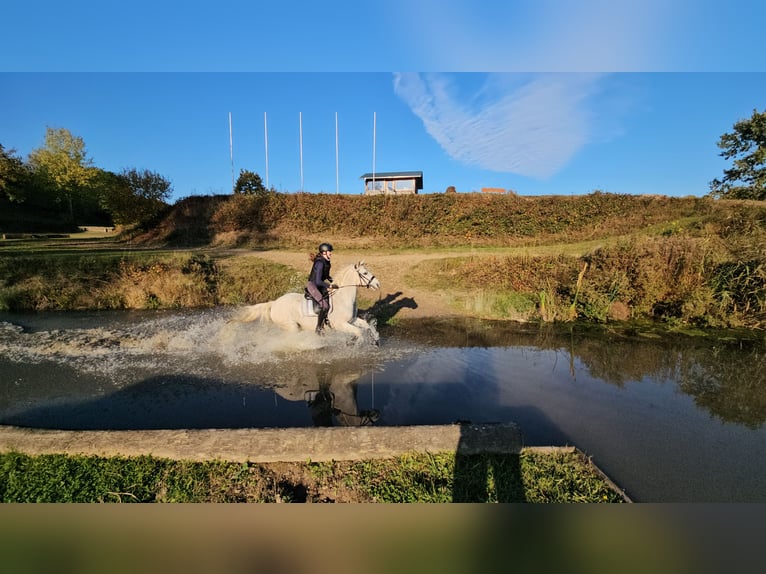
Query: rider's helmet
x=325, y=247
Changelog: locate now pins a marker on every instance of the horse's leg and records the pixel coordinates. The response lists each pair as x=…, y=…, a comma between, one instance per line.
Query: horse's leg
x=346, y=327
x=367, y=329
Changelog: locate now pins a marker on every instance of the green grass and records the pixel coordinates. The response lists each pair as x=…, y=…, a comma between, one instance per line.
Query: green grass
x=421, y=478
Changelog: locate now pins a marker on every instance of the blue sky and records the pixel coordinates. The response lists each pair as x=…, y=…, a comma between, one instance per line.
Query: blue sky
x=543, y=97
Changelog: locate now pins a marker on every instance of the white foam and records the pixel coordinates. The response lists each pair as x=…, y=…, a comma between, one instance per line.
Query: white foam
x=198, y=342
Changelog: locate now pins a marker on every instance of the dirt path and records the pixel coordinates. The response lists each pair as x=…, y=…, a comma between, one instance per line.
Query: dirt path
x=391, y=270
x=395, y=271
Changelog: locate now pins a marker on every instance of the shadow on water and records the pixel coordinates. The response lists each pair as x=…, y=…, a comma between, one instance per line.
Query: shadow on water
x=164, y=402
x=318, y=396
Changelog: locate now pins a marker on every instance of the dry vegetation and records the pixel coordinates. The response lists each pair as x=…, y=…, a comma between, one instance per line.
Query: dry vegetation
x=599, y=257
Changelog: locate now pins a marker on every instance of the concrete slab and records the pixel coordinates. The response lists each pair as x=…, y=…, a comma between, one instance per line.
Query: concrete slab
x=268, y=445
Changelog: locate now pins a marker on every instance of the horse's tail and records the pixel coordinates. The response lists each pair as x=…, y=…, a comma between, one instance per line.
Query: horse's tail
x=258, y=312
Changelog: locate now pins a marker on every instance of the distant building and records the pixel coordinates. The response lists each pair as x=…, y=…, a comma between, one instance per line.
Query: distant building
x=393, y=183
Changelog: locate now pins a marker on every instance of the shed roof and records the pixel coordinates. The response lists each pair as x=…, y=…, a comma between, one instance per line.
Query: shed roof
x=393, y=175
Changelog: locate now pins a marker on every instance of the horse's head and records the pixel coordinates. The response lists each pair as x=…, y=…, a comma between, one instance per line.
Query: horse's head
x=366, y=279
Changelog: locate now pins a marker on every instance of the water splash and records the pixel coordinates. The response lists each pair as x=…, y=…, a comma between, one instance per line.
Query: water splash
x=201, y=343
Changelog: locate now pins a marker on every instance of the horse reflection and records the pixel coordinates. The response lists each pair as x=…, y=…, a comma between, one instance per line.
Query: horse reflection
x=330, y=394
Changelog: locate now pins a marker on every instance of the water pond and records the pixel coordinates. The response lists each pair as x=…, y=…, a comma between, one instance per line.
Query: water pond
x=668, y=418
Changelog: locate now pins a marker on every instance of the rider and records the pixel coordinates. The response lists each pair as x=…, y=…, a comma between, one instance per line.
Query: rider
x=318, y=285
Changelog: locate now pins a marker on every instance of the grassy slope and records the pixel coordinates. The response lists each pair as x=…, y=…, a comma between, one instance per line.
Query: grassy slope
x=599, y=257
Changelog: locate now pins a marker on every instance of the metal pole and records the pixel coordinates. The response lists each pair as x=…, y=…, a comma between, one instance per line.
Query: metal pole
x=374, y=119
x=231, y=154
x=300, y=136
x=337, y=185
x=266, y=138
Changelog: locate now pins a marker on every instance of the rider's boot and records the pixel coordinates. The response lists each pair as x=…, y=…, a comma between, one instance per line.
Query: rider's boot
x=321, y=321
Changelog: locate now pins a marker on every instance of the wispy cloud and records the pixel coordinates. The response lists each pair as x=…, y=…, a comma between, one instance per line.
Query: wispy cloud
x=546, y=35
x=531, y=125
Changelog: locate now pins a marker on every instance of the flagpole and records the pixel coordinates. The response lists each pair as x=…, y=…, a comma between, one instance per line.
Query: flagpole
x=231, y=154
x=300, y=137
x=337, y=185
x=266, y=139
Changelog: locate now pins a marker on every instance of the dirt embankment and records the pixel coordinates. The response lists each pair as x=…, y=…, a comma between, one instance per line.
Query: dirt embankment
x=392, y=270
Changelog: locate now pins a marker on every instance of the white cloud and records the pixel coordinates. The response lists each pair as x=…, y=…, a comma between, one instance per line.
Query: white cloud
x=528, y=125
x=543, y=35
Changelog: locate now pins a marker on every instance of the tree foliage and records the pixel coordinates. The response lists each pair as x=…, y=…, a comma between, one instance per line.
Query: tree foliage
x=249, y=183
x=64, y=164
x=14, y=175
x=133, y=195
x=746, y=146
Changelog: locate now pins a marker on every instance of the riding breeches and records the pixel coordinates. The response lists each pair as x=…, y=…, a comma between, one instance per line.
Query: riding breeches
x=318, y=295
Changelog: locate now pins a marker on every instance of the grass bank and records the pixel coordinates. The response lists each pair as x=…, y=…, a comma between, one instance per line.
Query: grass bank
x=436, y=478
x=686, y=262
x=86, y=278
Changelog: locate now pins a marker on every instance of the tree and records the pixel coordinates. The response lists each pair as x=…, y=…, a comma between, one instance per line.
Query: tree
x=249, y=183
x=133, y=196
x=746, y=145
x=14, y=175
x=64, y=164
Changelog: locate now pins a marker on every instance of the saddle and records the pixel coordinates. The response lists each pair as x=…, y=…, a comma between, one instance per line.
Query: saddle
x=310, y=307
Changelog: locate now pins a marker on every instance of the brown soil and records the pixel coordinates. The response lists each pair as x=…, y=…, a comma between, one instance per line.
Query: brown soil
x=391, y=270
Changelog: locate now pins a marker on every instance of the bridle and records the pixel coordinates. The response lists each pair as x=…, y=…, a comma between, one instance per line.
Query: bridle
x=364, y=281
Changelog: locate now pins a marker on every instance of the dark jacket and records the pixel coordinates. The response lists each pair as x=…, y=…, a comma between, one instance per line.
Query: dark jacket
x=320, y=272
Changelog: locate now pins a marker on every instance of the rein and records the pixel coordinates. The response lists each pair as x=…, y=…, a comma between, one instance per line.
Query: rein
x=364, y=282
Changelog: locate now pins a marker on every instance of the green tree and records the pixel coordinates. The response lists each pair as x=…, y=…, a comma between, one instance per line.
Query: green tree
x=746, y=146
x=133, y=196
x=14, y=175
x=249, y=183
x=63, y=162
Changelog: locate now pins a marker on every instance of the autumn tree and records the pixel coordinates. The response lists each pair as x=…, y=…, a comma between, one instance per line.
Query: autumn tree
x=746, y=146
x=64, y=164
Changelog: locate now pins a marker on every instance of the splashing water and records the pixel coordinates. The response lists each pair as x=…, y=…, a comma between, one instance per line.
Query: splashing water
x=199, y=343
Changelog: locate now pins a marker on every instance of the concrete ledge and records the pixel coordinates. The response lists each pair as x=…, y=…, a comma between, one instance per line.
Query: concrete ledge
x=268, y=445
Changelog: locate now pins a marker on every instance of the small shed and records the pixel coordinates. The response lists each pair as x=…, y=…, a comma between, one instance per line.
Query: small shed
x=393, y=183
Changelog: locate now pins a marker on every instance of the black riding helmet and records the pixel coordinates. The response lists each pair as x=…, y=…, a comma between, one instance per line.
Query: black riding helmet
x=325, y=247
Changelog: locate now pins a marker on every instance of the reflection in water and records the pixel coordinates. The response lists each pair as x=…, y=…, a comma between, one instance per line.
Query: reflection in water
x=133, y=351
x=669, y=418
x=725, y=377
x=330, y=392
x=173, y=370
